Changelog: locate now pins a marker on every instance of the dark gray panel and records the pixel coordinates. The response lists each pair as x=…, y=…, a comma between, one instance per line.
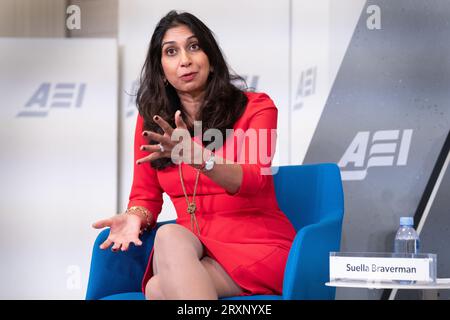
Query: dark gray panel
x=435, y=234
x=394, y=79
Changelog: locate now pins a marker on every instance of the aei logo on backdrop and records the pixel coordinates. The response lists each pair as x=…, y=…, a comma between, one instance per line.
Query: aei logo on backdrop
x=306, y=86
x=58, y=95
x=383, y=150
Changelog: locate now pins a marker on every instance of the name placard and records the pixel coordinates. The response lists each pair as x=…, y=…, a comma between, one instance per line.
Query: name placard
x=382, y=268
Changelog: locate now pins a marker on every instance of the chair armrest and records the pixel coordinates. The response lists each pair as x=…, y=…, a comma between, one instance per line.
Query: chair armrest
x=307, y=268
x=119, y=272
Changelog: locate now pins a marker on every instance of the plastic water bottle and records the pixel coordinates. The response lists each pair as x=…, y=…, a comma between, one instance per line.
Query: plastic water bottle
x=406, y=241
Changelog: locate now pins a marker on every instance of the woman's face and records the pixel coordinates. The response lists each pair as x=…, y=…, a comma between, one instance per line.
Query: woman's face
x=184, y=63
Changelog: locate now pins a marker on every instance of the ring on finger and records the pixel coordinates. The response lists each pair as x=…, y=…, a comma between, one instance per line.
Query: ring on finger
x=161, y=147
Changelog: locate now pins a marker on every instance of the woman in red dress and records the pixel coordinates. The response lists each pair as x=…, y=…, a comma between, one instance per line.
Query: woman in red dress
x=230, y=237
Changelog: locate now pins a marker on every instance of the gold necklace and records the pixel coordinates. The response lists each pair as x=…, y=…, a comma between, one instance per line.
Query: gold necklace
x=191, y=207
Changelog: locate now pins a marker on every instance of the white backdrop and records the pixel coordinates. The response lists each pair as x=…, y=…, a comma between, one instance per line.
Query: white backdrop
x=321, y=32
x=58, y=140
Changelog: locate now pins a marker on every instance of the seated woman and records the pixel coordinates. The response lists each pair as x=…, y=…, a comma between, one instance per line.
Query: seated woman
x=230, y=237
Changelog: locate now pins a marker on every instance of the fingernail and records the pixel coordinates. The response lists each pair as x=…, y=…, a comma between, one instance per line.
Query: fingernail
x=156, y=118
x=138, y=163
x=145, y=134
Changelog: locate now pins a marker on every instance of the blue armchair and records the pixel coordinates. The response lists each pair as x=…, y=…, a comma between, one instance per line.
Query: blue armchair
x=312, y=198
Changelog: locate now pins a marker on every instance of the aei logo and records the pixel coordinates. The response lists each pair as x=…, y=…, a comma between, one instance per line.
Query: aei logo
x=387, y=148
x=58, y=95
x=306, y=86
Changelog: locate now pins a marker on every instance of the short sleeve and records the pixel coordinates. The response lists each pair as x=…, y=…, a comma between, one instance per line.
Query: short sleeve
x=256, y=158
x=145, y=190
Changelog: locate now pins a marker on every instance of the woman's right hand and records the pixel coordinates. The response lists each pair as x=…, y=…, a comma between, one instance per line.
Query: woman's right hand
x=124, y=229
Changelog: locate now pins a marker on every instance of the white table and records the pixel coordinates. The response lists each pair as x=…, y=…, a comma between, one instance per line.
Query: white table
x=429, y=291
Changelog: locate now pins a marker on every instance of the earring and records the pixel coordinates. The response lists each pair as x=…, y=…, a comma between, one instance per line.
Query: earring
x=166, y=82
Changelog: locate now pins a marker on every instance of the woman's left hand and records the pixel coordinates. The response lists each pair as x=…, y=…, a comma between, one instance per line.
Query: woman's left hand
x=185, y=149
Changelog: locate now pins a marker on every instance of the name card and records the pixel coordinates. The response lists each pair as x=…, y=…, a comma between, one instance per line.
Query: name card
x=420, y=268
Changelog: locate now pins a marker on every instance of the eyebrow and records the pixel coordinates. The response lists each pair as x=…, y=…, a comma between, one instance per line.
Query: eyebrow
x=171, y=42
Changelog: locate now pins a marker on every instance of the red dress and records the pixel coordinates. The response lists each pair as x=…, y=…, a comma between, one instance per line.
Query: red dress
x=245, y=232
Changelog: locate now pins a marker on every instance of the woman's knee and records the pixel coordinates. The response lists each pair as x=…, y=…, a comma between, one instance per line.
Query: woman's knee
x=153, y=289
x=172, y=239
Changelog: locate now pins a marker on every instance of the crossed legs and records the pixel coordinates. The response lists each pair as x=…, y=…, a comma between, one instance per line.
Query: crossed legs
x=182, y=271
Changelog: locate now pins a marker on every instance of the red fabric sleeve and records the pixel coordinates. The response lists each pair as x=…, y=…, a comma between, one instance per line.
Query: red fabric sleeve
x=145, y=190
x=262, y=119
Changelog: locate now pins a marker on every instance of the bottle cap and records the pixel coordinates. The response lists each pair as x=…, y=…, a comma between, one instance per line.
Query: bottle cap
x=406, y=221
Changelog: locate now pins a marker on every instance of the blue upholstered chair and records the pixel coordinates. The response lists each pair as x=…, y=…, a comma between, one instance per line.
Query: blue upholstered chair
x=312, y=198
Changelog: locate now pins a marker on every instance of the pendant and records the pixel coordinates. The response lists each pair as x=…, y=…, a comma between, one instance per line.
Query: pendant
x=191, y=208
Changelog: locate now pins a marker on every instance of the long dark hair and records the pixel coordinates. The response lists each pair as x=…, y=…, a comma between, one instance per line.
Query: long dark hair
x=224, y=101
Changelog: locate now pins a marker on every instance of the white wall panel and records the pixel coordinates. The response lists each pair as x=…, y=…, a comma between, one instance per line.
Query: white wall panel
x=321, y=32
x=58, y=136
x=310, y=72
